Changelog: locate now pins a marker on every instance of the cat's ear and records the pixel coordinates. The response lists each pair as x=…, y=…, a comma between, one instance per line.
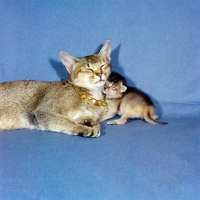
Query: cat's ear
x=68, y=61
x=123, y=88
x=106, y=50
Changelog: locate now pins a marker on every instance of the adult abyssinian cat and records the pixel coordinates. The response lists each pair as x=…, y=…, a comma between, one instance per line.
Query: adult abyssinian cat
x=128, y=102
x=73, y=107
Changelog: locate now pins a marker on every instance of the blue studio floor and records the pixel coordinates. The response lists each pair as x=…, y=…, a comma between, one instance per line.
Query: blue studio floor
x=132, y=161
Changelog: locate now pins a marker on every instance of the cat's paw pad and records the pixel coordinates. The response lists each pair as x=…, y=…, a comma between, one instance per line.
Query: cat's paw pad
x=89, y=122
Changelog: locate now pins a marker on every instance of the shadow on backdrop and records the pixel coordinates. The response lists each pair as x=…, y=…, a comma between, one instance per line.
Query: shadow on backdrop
x=117, y=66
x=59, y=68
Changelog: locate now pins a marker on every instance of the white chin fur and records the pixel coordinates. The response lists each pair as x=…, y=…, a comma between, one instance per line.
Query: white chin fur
x=100, y=82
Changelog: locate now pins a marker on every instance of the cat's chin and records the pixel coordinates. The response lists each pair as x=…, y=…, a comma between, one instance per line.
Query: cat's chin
x=100, y=82
x=97, y=86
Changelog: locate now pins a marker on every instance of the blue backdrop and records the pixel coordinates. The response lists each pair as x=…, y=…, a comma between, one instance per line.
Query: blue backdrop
x=155, y=43
x=156, y=46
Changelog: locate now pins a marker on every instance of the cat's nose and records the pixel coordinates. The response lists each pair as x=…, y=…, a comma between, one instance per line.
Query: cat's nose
x=99, y=74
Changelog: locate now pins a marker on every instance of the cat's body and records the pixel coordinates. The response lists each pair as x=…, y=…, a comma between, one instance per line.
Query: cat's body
x=72, y=107
x=127, y=102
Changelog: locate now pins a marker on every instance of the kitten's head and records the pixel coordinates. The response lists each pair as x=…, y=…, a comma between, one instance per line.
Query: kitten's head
x=115, y=86
x=89, y=72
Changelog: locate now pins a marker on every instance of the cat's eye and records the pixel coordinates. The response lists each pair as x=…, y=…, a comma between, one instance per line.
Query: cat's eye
x=90, y=69
x=103, y=65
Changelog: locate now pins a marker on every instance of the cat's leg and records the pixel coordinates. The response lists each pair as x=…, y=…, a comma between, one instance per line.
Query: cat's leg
x=13, y=119
x=59, y=123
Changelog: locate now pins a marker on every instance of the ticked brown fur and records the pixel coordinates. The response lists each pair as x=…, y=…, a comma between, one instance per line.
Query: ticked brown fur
x=128, y=102
x=59, y=106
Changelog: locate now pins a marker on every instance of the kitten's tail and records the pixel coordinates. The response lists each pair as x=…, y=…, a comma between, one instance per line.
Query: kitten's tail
x=148, y=117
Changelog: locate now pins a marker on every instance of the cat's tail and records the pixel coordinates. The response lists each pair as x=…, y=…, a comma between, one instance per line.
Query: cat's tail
x=150, y=117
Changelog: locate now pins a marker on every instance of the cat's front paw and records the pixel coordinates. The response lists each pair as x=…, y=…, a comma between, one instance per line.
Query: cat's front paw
x=90, y=132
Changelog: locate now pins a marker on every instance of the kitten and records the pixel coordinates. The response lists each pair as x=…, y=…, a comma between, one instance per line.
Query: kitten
x=73, y=107
x=128, y=102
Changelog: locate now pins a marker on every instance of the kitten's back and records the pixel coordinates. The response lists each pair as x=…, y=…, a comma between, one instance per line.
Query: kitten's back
x=138, y=95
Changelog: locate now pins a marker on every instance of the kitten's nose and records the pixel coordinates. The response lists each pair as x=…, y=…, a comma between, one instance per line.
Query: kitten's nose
x=106, y=87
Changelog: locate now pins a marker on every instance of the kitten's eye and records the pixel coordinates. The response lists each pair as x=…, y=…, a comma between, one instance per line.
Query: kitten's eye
x=113, y=87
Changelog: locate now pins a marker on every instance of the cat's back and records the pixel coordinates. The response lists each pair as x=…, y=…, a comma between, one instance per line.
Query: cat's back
x=29, y=89
x=17, y=88
x=24, y=92
x=31, y=94
x=25, y=84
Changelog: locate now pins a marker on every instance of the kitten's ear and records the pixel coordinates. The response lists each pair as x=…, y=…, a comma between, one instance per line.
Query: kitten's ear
x=106, y=50
x=68, y=61
x=123, y=88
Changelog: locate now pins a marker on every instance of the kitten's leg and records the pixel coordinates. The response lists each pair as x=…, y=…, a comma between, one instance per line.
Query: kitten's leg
x=108, y=115
x=154, y=117
x=148, y=118
x=120, y=121
x=59, y=123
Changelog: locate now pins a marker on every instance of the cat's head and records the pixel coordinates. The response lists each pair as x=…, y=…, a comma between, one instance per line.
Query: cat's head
x=115, y=86
x=90, y=72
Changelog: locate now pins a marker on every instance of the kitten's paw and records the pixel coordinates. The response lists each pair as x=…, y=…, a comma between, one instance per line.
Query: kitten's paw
x=117, y=122
x=113, y=122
